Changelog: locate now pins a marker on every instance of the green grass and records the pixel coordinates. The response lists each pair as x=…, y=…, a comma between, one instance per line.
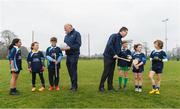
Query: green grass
x=88, y=96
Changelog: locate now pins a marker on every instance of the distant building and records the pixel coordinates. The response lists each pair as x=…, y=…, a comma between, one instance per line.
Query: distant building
x=176, y=52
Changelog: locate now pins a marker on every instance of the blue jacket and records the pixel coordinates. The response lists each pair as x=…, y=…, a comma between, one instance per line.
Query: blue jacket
x=35, y=61
x=73, y=40
x=53, y=53
x=124, y=54
x=113, y=46
x=15, y=56
x=141, y=58
x=157, y=58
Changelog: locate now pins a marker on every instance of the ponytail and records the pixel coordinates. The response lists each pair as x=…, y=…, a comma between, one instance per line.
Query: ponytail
x=14, y=41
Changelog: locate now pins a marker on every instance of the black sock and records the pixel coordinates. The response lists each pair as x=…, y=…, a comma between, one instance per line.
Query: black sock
x=154, y=86
x=13, y=89
x=140, y=87
x=136, y=86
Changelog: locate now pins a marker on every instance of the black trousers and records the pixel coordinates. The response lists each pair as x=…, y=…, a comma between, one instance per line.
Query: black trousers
x=108, y=73
x=53, y=80
x=34, y=79
x=71, y=64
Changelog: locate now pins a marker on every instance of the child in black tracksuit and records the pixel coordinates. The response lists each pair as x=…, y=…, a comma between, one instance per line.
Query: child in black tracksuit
x=36, y=65
x=54, y=56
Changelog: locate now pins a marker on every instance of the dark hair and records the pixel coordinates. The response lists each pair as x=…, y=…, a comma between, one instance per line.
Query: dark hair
x=159, y=43
x=32, y=45
x=14, y=42
x=136, y=46
x=123, y=29
x=53, y=39
x=124, y=42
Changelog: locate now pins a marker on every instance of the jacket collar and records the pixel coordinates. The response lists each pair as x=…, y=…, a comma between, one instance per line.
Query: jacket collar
x=17, y=48
x=137, y=52
x=53, y=47
x=124, y=49
x=71, y=31
x=33, y=51
x=119, y=34
x=158, y=50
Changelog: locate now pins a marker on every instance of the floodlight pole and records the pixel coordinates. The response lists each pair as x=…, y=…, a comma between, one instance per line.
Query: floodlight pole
x=89, y=52
x=166, y=39
x=32, y=36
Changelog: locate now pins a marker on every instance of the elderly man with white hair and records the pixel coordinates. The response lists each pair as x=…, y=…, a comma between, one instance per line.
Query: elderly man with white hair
x=73, y=41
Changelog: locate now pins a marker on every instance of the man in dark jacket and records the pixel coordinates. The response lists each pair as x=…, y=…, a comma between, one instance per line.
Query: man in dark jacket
x=73, y=41
x=113, y=48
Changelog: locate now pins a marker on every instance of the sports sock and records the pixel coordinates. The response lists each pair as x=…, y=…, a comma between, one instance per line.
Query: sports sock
x=136, y=86
x=125, y=81
x=120, y=81
x=158, y=87
x=140, y=87
x=13, y=89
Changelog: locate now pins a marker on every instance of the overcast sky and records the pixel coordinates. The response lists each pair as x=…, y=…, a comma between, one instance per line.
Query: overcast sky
x=99, y=18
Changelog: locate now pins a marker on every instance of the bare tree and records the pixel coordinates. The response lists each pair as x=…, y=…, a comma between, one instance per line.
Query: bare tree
x=7, y=37
x=178, y=53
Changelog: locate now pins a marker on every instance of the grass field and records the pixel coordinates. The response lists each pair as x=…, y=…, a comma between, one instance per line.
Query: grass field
x=88, y=95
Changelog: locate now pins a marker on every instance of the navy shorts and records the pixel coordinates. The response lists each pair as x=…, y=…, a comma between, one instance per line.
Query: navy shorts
x=16, y=72
x=157, y=70
x=140, y=70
